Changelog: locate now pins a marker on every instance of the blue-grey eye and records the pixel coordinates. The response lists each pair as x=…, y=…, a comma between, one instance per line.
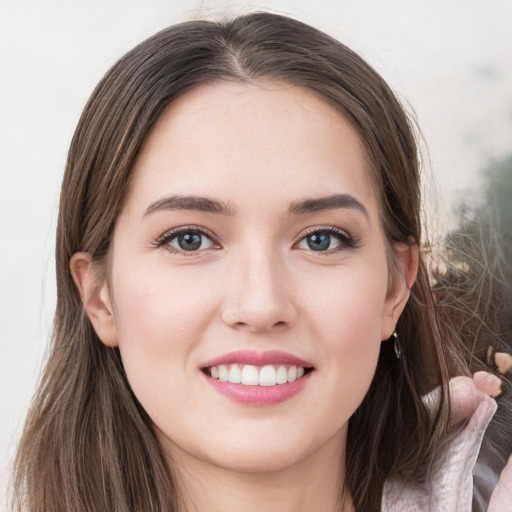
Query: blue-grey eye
x=326, y=240
x=190, y=241
x=319, y=241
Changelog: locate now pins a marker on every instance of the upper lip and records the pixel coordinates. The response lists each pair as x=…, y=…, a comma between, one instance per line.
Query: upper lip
x=257, y=359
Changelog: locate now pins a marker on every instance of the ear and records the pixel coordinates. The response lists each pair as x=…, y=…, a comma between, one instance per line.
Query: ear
x=93, y=289
x=399, y=290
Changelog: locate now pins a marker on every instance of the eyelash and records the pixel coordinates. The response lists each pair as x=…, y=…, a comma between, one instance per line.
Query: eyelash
x=165, y=239
x=346, y=241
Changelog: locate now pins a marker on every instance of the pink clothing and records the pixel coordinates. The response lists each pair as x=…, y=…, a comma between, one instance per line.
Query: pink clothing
x=451, y=488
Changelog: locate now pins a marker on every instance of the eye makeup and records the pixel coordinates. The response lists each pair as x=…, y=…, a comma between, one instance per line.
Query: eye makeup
x=320, y=239
x=187, y=240
x=194, y=239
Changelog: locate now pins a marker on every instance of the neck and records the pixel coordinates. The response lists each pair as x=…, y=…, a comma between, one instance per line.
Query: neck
x=313, y=483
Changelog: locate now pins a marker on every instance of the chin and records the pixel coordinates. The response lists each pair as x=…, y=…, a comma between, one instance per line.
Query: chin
x=259, y=461
x=257, y=454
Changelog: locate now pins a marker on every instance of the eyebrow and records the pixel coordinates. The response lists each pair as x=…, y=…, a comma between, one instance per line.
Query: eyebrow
x=205, y=204
x=327, y=203
x=178, y=202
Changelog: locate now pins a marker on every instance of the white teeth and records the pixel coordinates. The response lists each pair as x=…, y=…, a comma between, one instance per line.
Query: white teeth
x=223, y=373
x=250, y=375
x=268, y=376
x=292, y=374
x=235, y=374
x=282, y=375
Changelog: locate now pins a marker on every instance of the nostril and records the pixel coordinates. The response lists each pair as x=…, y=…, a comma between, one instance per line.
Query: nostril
x=257, y=309
x=260, y=327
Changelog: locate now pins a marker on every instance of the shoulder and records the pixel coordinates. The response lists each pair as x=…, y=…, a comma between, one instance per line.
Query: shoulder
x=450, y=487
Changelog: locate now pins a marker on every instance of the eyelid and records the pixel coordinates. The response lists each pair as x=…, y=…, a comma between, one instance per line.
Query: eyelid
x=164, y=239
x=346, y=239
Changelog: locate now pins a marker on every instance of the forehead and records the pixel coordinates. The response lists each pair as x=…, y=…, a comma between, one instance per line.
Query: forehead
x=261, y=140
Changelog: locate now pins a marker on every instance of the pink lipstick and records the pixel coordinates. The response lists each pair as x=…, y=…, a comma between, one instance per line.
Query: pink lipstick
x=258, y=378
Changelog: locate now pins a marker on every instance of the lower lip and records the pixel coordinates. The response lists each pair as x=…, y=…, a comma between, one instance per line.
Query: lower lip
x=259, y=395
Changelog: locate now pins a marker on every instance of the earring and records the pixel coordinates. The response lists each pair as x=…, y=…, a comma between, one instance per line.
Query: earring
x=398, y=352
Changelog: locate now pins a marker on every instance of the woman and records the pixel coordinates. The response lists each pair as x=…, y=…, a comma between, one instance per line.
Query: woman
x=244, y=314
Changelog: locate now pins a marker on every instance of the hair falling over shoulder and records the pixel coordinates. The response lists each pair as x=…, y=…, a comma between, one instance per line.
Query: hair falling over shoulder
x=87, y=443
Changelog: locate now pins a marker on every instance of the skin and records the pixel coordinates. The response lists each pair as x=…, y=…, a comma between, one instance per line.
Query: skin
x=256, y=286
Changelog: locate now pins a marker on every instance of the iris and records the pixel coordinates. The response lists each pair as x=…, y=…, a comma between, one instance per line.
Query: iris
x=319, y=241
x=190, y=241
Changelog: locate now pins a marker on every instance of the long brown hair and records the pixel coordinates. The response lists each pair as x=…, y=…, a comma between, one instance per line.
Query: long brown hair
x=88, y=444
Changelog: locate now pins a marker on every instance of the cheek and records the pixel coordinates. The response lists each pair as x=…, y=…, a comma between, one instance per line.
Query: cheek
x=346, y=323
x=159, y=305
x=346, y=306
x=160, y=321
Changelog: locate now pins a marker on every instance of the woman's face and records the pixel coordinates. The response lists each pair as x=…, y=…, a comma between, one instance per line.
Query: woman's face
x=250, y=248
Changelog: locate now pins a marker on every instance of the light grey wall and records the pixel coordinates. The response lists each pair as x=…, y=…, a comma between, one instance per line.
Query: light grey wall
x=450, y=59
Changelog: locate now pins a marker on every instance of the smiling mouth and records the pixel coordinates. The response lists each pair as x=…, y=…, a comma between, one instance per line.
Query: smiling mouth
x=251, y=375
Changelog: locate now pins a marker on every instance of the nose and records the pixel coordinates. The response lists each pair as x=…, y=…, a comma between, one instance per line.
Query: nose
x=258, y=294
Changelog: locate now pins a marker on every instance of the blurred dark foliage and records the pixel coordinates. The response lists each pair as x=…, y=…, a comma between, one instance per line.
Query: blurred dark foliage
x=474, y=287
x=475, y=283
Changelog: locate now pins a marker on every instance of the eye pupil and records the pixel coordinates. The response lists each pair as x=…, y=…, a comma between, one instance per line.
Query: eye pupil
x=189, y=241
x=319, y=241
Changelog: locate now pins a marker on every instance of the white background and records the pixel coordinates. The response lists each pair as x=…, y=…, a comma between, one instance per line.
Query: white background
x=450, y=59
